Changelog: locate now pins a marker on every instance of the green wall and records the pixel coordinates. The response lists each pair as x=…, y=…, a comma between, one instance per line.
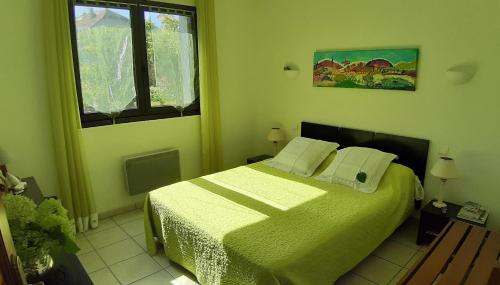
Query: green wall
x=26, y=133
x=238, y=72
x=24, y=114
x=462, y=117
x=106, y=146
x=255, y=39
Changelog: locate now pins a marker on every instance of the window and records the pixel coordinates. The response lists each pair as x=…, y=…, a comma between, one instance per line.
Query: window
x=134, y=60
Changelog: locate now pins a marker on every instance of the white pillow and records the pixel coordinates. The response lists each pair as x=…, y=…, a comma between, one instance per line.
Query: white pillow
x=302, y=156
x=350, y=164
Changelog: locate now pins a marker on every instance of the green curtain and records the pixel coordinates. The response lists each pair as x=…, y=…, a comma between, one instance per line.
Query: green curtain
x=209, y=88
x=75, y=188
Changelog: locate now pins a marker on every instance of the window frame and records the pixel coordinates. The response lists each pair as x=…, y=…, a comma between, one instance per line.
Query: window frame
x=144, y=109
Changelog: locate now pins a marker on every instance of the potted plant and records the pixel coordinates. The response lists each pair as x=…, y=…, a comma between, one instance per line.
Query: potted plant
x=39, y=230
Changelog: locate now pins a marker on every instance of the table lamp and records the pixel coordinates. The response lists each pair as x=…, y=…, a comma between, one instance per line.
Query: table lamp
x=275, y=135
x=443, y=169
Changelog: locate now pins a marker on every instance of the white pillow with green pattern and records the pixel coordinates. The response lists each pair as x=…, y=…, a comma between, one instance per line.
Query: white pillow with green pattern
x=358, y=167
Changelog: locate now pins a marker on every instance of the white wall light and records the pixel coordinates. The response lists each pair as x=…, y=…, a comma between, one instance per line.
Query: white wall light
x=291, y=70
x=460, y=74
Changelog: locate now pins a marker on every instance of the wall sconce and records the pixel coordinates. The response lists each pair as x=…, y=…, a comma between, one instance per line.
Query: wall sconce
x=291, y=71
x=460, y=74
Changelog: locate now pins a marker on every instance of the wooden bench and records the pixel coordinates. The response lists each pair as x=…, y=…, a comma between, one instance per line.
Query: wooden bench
x=461, y=254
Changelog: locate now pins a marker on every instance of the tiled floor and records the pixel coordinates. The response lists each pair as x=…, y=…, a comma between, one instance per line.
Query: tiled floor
x=115, y=253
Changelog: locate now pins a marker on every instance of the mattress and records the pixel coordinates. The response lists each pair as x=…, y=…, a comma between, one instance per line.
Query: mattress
x=258, y=225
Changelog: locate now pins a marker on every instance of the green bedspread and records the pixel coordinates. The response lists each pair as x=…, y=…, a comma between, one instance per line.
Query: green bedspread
x=258, y=225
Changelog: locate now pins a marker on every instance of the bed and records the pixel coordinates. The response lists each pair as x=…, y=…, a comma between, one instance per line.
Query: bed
x=258, y=225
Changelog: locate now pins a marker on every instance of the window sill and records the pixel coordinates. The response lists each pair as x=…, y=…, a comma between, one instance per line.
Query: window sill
x=131, y=119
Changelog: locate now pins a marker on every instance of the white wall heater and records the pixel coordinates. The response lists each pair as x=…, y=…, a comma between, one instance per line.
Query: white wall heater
x=146, y=172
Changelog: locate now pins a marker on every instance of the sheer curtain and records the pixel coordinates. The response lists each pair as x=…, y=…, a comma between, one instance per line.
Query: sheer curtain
x=75, y=188
x=105, y=55
x=170, y=44
x=209, y=88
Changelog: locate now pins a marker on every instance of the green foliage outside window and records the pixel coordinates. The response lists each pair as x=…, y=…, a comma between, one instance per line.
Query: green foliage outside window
x=106, y=69
x=107, y=66
x=170, y=63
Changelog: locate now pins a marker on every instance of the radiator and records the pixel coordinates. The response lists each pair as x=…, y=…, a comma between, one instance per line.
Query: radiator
x=146, y=172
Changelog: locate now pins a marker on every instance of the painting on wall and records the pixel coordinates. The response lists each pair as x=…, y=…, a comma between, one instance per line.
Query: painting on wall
x=393, y=69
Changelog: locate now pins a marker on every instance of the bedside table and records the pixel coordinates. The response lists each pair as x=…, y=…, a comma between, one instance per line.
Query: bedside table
x=258, y=158
x=432, y=221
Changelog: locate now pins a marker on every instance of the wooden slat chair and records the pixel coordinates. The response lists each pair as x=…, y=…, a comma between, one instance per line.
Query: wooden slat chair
x=460, y=254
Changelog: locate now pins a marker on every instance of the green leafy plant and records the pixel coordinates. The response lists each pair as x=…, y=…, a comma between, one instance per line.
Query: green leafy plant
x=38, y=230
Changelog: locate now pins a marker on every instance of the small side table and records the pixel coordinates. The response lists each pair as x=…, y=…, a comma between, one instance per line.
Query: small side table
x=432, y=221
x=258, y=158
x=32, y=191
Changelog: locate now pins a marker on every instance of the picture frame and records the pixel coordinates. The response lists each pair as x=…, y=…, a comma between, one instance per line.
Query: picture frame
x=390, y=69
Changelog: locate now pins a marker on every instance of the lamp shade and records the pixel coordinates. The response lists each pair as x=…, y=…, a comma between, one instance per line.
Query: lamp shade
x=275, y=135
x=445, y=168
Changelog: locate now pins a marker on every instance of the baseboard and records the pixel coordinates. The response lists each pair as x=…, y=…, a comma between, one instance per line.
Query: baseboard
x=130, y=207
x=139, y=205
x=114, y=212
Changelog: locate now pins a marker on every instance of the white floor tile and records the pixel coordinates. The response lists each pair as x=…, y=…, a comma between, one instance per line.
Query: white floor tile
x=377, y=270
x=106, y=237
x=416, y=257
x=103, y=225
x=159, y=278
x=141, y=240
x=395, y=252
x=353, y=279
x=134, y=228
x=91, y=262
x=119, y=251
x=183, y=280
x=180, y=274
x=399, y=276
x=128, y=217
x=407, y=234
x=177, y=271
x=103, y=277
x=135, y=268
x=162, y=259
x=83, y=244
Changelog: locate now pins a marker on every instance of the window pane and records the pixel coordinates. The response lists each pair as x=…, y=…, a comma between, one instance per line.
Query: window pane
x=104, y=41
x=171, y=67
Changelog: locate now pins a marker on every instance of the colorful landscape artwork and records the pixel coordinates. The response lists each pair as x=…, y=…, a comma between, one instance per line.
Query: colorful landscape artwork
x=394, y=69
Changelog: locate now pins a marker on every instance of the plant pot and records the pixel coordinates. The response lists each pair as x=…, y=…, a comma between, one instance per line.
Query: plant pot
x=40, y=267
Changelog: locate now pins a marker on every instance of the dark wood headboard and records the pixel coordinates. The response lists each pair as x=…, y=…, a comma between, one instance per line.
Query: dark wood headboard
x=411, y=152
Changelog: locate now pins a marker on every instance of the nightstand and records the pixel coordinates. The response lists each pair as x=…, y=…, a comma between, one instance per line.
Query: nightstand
x=258, y=158
x=432, y=221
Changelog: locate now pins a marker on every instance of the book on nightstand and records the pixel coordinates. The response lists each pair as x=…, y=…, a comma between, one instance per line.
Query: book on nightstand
x=473, y=212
